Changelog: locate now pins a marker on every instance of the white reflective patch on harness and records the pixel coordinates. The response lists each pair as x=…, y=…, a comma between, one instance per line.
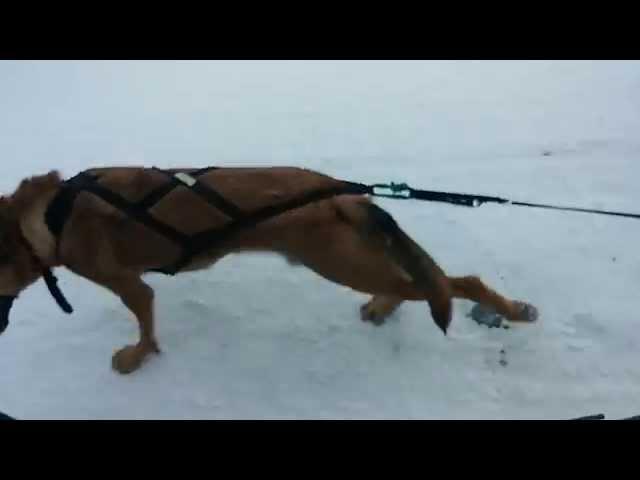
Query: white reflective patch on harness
x=186, y=179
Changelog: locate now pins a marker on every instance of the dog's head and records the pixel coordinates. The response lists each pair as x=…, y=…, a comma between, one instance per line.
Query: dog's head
x=18, y=269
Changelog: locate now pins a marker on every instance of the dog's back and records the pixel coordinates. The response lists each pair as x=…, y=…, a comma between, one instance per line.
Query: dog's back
x=185, y=211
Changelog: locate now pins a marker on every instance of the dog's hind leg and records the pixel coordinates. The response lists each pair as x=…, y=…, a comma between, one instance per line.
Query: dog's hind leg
x=426, y=273
x=364, y=249
x=472, y=288
x=377, y=227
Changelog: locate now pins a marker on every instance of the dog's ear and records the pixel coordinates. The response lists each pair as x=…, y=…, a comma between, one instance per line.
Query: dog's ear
x=31, y=189
x=42, y=182
x=53, y=178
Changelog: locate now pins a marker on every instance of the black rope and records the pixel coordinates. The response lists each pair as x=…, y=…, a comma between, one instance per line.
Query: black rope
x=601, y=416
x=574, y=209
x=403, y=192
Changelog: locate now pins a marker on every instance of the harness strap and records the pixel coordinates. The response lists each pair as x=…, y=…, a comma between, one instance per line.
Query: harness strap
x=59, y=210
x=211, y=238
x=135, y=211
x=156, y=195
x=49, y=278
x=203, y=241
x=52, y=284
x=212, y=197
x=209, y=194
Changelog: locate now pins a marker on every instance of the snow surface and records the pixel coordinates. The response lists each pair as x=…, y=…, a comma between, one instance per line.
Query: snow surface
x=255, y=338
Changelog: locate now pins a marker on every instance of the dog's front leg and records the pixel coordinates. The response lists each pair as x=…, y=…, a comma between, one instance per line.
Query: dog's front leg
x=138, y=297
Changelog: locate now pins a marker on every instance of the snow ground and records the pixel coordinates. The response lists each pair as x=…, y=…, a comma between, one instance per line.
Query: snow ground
x=254, y=338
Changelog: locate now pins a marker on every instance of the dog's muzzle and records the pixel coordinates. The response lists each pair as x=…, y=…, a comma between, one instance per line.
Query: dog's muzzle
x=6, y=303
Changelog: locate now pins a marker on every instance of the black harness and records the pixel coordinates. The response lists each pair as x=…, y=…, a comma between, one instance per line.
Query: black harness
x=59, y=210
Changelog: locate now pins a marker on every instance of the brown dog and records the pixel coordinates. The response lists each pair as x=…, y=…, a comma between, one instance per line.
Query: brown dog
x=345, y=238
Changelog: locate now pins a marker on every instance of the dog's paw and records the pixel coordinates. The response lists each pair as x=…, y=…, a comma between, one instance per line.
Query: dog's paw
x=369, y=314
x=486, y=315
x=378, y=309
x=127, y=359
x=155, y=348
x=526, y=312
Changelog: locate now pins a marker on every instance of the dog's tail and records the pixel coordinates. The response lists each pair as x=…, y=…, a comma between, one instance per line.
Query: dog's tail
x=378, y=224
